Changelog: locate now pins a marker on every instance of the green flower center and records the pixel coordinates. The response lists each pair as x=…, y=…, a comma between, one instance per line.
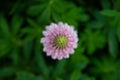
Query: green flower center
x=61, y=41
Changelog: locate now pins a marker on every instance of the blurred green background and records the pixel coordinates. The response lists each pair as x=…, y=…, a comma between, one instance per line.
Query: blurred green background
x=97, y=56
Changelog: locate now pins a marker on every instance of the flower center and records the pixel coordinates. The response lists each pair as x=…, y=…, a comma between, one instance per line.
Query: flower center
x=61, y=41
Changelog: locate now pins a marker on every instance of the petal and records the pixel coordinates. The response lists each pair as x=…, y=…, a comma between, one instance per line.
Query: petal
x=60, y=57
x=69, y=50
x=65, y=53
x=48, y=54
x=42, y=40
x=54, y=54
x=45, y=33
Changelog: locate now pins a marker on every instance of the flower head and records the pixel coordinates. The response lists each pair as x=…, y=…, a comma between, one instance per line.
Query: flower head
x=59, y=40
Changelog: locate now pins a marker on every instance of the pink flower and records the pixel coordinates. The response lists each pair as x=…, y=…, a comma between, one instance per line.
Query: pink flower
x=59, y=40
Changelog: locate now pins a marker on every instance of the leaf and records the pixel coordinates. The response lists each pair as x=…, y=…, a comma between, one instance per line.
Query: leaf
x=32, y=23
x=98, y=16
x=17, y=7
x=35, y=10
x=26, y=76
x=27, y=30
x=68, y=12
x=4, y=25
x=60, y=8
x=95, y=24
x=17, y=22
x=70, y=16
x=41, y=63
x=105, y=4
x=58, y=78
x=84, y=17
x=15, y=56
x=59, y=67
x=117, y=4
x=28, y=47
x=118, y=28
x=45, y=15
x=30, y=33
x=111, y=76
x=29, y=38
x=110, y=13
x=4, y=47
x=112, y=43
x=99, y=21
x=79, y=60
x=40, y=78
x=7, y=71
x=105, y=65
x=86, y=77
x=75, y=75
x=93, y=40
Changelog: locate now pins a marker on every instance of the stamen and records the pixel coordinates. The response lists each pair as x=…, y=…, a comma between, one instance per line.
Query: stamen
x=61, y=41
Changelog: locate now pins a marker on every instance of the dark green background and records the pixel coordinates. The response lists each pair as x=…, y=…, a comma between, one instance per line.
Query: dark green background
x=97, y=56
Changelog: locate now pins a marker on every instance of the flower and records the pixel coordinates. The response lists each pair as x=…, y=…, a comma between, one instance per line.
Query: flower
x=59, y=40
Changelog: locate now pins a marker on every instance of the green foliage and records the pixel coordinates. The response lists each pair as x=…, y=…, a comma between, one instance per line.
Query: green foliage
x=27, y=76
x=4, y=25
x=93, y=40
x=110, y=13
x=106, y=66
x=96, y=57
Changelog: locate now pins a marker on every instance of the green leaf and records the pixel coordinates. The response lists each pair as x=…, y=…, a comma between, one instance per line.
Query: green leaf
x=86, y=77
x=75, y=75
x=26, y=76
x=32, y=23
x=30, y=34
x=17, y=22
x=79, y=60
x=14, y=7
x=111, y=76
x=110, y=13
x=105, y=65
x=84, y=17
x=117, y=5
x=95, y=24
x=4, y=47
x=29, y=38
x=7, y=71
x=28, y=47
x=105, y=4
x=98, y=16
x=70, y=16
x=112, y=43
x=60, y=8
x=27, y=30
x=15, y=56
x=4, y=25
x=58, y=78
x=59, y=67
x=17, y=7
x=45, y=15
x=40, y=78
x=93, y=40
x=35, y=10
x=118, y=28
x=41, y=63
